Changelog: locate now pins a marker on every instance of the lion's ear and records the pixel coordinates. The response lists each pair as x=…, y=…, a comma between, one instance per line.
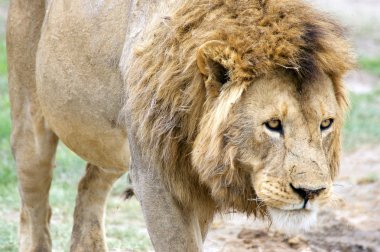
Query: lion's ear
x=216, y=61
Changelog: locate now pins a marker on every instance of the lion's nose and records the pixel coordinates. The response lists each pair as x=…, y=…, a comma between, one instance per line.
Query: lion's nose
x=306, y=193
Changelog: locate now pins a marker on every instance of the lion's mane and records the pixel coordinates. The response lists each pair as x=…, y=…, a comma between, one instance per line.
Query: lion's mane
x=168, y=105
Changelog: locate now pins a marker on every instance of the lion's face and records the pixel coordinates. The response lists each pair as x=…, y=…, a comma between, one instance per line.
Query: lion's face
x=272, y=141
x=286, y=136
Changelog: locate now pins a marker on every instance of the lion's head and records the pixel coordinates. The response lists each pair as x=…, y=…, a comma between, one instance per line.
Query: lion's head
x=279, y=138
x=245, y=105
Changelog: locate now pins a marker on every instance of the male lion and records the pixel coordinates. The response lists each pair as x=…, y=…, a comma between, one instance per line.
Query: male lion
x=223, y=104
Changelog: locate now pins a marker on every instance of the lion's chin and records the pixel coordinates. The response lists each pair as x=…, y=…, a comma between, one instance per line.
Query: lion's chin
x=292, y=222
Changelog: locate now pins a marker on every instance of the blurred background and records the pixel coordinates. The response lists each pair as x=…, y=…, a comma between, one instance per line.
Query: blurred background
x=353, y=224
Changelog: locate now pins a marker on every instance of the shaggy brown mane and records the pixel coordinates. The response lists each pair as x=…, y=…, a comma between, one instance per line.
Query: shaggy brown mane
x=167, y=97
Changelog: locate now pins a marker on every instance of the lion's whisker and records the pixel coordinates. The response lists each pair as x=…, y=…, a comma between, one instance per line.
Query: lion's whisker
x=338, y=185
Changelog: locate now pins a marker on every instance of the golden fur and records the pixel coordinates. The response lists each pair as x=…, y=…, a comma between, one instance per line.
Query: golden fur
x=182, y=126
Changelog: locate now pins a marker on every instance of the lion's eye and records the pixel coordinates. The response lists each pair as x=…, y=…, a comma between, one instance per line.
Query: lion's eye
x=326, y=124
x=274, y=125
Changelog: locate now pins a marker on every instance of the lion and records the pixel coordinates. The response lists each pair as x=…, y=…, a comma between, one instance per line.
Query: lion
x=212, y=106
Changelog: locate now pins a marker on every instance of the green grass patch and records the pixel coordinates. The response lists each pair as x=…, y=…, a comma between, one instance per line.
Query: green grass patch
x=8, y=191
x=3, y=57
x=363, y=121
x=371, y=65
x=8, y=235
x=5, y=124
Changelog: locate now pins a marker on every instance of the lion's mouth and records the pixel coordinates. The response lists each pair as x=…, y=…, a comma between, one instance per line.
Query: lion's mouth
x=302, y=206
x=298, y=210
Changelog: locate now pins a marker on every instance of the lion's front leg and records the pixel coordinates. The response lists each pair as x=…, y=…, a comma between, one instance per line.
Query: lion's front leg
x=33, y=143
x=171, y=227
x=88, y=231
